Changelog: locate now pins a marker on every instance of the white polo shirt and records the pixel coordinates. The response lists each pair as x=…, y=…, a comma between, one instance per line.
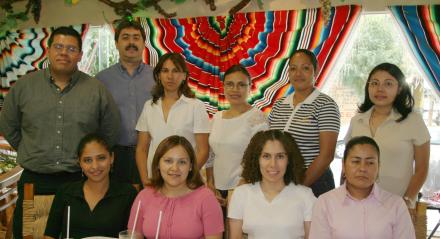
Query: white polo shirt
x=282, y=218
x=186, y=118
x=396, y=142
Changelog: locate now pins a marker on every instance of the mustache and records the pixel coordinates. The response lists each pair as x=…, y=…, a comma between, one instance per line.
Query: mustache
x=131, y=46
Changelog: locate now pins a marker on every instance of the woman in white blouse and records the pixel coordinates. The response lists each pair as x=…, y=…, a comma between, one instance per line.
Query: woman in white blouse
x=172, y=111
x=232, y=130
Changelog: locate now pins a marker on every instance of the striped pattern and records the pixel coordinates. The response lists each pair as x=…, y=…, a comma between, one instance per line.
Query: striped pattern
x=421, y=27
x=317, y=113
x=261, y=41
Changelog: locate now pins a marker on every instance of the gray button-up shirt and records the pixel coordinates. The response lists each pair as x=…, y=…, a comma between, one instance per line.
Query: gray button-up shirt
x=45, y=123
x=130, y=94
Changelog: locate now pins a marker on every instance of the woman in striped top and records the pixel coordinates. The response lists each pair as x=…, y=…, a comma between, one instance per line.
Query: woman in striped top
x=312, y=118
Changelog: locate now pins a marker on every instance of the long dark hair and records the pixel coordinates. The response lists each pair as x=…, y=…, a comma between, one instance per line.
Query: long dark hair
x=404, y=101
x=251, y=165
x=177, y=59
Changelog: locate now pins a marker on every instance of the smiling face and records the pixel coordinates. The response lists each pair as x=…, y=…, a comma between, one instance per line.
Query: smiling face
x=361, y=168
x=273, y=162
x=64, y=54
x=130, y=45
x=171, y=77
x=301, y=72
x=236, y=88
x=382, y=89
x=95, y=162
x=174, y=167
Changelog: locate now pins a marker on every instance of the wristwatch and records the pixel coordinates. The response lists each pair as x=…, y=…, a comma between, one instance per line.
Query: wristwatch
x=409, y=201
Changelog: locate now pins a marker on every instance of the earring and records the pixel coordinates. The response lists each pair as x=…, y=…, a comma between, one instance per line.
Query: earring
x=82, y=173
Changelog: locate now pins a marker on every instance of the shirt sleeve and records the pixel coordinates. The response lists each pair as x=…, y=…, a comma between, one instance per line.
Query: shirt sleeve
x=310, y=200
x=201, y=119
x=109, y=117
x=329, y=118
x=272, y=113
x=419, y=130
x=320, y=228
x=131, y=196
x=56, y=215
x=140, y=218
x=403, y=228
x=236, y=205
x=142, y=124
x=212, y=215
x=10, y=117
x=259, y=123
x=348, y=136
x=210, y=162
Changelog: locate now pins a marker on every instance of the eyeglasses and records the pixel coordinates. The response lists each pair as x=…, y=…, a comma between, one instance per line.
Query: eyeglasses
x=70, y=49
x=376, y=84
x=229, y=85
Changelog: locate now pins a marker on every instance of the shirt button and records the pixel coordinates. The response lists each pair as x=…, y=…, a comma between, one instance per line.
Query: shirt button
x=58, y=132
x=58, y=89
x=58, y=147
x=59, y=116
x=58, y=162
x=60, y=101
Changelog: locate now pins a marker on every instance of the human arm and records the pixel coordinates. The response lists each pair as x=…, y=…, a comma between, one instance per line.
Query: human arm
x=307, y=229
x=10, y=118
x=327, y=144
x=421, y=165
x=319, y=226
x=212, y=216
x=235, y=228
x=55, y=219
x=142, y=147
x=202, y=148
x=403, y=227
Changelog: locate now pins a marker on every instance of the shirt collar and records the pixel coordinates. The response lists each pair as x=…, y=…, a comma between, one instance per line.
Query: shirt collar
x=113, y=189
x=345, y=197
x=73, y=78
x=124, y=70
x=394, y=115
x=309, y=100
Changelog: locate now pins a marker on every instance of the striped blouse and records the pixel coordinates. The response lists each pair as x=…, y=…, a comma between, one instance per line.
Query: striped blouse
x=318, y=112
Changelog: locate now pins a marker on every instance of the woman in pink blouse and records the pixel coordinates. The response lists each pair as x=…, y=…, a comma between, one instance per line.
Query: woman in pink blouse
x=360, y=208
x=176, y=201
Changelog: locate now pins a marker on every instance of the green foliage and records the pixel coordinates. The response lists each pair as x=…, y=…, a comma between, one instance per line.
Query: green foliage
x=11, y=21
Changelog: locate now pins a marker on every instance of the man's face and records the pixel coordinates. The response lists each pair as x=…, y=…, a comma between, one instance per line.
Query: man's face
x=130, y=45
x=64, y=54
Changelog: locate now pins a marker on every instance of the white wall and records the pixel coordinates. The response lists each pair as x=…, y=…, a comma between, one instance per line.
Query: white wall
x=57, y=13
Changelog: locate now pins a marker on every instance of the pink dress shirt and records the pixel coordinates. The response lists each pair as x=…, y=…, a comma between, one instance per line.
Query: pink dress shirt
x=195, y=215
x=382, y=215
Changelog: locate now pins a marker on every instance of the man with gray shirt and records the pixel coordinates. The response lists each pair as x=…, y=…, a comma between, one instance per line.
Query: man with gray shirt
x=130, y=82
x=47, y=112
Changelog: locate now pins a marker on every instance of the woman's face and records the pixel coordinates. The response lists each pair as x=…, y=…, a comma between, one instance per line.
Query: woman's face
x=236, y=88
x=301, y=72
x=95, y=162
x=174, y=167
x=361, y=167
x=382, y=89
x=273, y=162
x=171, y=77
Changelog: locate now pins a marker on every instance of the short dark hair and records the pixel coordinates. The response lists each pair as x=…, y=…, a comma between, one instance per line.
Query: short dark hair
x=89, y=138
x=309, y=54
x=193, y=181
x=178, y=60
x=404, y=101
x=360, y=140
x=129, y=24
x=237, y=68
x=68, y=31
x=251, y=165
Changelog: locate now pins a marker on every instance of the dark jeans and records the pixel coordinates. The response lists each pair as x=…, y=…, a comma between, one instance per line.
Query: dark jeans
x=124, y=168
x=44, y=184
x=324, y=184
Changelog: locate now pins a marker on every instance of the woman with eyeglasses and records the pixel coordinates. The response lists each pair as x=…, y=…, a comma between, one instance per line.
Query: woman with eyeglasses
x=387, y=116
x=231, y=131
x=312, y=118
x=174, y=110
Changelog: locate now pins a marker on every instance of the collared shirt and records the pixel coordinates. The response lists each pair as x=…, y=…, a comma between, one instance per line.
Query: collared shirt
x=317, y=113
x=186, y=118
x=130, y=94
x=107, y=219
x=396, y=142
x=45, y=123
x=382, y=214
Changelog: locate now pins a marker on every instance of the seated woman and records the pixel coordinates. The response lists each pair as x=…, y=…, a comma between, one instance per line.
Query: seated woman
x=360, y=208
x=98, y=206
x=176, y=201
x=272, y=205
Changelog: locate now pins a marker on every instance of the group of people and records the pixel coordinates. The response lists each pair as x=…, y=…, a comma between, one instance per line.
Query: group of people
x=88, y=140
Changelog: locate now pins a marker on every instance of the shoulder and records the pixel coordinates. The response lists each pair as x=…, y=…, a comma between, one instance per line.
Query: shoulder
x=203, y=193
x=280, y=101
x=122, y=188
x=149, y=192
x=325, y=100
x=301, y=190
x=102, y=75
x=71, y=188
x=245, y=189
x=30, y=78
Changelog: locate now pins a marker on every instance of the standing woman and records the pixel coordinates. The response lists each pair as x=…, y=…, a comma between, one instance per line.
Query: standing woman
x=272, y=204
x=99, y=206
x=172, y=111
x=176, y=204
x=312, y=118
x=232, y=130
x=387, y=116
